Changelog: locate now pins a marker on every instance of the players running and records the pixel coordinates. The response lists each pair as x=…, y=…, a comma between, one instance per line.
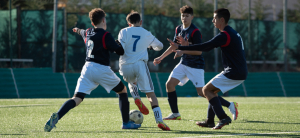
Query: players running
x=191, y=65
x=233, y=59
x=133, y=64
x=96, y=70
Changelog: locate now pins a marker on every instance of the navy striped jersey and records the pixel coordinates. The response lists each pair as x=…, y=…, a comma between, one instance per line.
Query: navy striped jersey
x=98, y=43
x=232, y=50
x=194, y=37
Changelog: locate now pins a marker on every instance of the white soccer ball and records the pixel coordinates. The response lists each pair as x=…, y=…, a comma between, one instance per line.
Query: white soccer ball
x=136, y=116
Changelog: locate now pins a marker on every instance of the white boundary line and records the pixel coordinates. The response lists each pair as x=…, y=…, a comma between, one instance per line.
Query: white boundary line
x=66, y=83
x=157, y=78
x=282, y=86
x=244, y=88
x=249, y=134
x=16, y=87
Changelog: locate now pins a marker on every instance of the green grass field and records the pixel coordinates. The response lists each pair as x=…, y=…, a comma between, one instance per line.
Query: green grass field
x=100, y=117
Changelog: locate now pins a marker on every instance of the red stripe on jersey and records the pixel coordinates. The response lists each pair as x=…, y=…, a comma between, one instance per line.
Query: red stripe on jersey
x=228, y=39
x=176, y=29
x=103, y=40
x=86, y=35
x=194, y=32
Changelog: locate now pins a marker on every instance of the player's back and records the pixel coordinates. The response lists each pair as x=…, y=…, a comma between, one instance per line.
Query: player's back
x=135, y=41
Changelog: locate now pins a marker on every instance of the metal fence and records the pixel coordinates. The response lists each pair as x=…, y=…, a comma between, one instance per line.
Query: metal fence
x=32, y=40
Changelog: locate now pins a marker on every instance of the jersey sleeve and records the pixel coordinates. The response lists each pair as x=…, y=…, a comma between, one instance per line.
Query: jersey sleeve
x=109, y=43
x=156, y=44
x=175, y=40
x=122, y=37
x=196, y=37
x=81, y=32
x=217, y=41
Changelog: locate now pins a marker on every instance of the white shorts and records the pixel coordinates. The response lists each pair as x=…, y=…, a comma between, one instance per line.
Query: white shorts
x=184, y=74
x=137, y=72
x=223, y=83
x=93, y=74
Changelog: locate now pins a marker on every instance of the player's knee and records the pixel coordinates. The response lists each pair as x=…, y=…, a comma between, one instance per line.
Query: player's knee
x=200, y=92
x=120, y=88
x=170, y=85
x=205, y=91
x=78, y=97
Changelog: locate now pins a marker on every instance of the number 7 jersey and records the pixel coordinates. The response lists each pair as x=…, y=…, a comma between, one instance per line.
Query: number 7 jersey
x=135, y=41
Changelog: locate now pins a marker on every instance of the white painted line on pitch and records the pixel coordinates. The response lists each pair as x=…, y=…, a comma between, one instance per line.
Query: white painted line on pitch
x=157, y=78
x=282, y=86
x=247, y=134
x=63, y=74
x=16, y=87
x=245, y=91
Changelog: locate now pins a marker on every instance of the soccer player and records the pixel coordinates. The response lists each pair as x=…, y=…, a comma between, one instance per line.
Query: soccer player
x=233, y=59
x=191, y=65
x=133, y=64
x=96, y=70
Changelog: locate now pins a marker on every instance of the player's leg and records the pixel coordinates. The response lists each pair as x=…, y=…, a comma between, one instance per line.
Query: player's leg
x=121, y=90
x=210, y=92
x=172, y=99
x=137, y=99
x=176, y=77
x=156, y=110
x=110, y=81
x=219, y=83
x=84, y=86
x=130, y=74
x=146, y=85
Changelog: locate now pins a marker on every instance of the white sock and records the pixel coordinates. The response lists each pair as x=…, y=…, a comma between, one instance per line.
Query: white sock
x=157, y=114
x=134, y=91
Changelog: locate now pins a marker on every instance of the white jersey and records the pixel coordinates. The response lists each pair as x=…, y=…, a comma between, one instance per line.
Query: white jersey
x=135, y=41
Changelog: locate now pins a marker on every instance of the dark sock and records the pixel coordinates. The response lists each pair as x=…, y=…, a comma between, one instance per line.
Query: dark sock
x=124, y=106
x=217, y=107
x=172, y=98
x=154, y=106
x=210, y=114
x=224, y=102
x=66, y=107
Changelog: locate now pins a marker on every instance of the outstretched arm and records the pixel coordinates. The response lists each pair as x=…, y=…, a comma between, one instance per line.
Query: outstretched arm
x=217, y=41
x=77, y=30
x=156, y=45
x=165, y=54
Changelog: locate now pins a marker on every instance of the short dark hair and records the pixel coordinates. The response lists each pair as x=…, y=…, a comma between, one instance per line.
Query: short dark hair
x=222, y=12
x=133, y=17
x=96, y=15
x=186, y=9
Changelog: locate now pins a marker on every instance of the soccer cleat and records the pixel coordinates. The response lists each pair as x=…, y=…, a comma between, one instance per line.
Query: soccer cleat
x=51, y=122
x=233, y=110
x=130, y=125
x=206, y=124
x=144, y=110
x=173, y=116
x=163, y=126
x=222, y=123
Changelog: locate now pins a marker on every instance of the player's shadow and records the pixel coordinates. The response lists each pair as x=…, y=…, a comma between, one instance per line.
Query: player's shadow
x=258, y=121
x=12, y=134
x=14, y=106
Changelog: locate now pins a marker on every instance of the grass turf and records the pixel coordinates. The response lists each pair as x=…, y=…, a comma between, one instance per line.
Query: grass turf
x=101, y=117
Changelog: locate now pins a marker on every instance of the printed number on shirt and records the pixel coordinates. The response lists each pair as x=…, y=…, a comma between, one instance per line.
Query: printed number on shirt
x=241, y=40
x=90, y=48
x=137, y=39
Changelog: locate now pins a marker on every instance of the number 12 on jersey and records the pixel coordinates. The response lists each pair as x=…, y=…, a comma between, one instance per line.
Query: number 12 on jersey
x=137, y=39
x=90, y=49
